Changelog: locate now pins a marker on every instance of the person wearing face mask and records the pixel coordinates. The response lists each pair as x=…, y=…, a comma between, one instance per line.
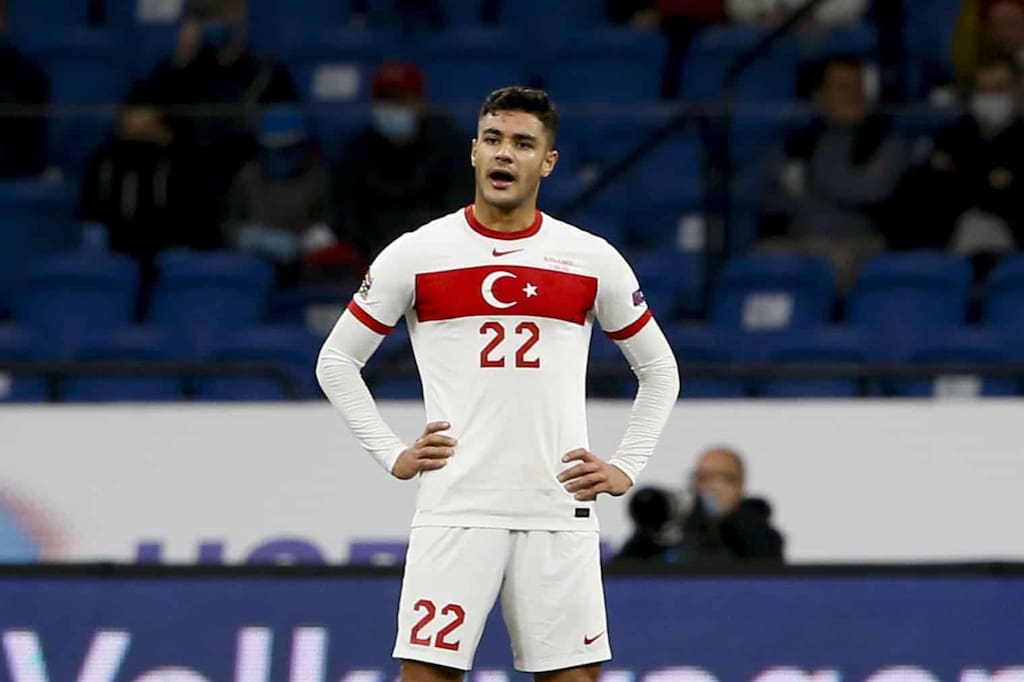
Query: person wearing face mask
x=213, y=66
x=279, y=203
x=966, y=196
x=141, y=186
x=404, y=167
x=712, y=521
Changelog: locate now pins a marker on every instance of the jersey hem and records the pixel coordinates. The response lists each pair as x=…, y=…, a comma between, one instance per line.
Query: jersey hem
x=503, y=522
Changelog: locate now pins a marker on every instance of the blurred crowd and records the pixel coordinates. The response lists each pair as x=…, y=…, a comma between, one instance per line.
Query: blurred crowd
x=213, y=148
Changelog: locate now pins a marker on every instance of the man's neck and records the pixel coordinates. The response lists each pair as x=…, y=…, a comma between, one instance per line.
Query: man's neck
x=515, y=220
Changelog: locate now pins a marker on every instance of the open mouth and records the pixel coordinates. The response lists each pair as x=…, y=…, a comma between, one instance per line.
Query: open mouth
x=500, y=179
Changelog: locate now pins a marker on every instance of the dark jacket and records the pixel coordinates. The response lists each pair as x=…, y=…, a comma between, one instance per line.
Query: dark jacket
x=382, y=190
x=22, y=137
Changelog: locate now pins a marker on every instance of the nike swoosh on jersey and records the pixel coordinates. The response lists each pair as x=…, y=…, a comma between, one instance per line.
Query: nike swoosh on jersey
x=587, y=641
x=497, y=253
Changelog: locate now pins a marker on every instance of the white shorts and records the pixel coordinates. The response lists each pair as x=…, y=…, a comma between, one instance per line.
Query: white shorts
x=552, y=597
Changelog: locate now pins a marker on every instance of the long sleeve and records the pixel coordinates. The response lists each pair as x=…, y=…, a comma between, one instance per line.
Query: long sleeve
x=339, y=371
x=651, y=359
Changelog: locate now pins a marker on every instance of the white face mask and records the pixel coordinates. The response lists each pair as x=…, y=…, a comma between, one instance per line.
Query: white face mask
x=993, y=110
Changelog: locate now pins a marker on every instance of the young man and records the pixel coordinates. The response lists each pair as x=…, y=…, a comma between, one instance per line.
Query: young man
x=499, y=299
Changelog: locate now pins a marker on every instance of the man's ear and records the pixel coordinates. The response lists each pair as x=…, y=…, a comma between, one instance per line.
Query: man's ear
x=550, y=161
x=472, y=153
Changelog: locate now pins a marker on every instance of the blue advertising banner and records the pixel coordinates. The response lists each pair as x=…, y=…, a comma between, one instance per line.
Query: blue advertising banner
x=333, y=628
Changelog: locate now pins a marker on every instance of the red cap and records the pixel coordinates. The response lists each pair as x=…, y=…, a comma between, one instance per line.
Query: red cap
x=398, y=80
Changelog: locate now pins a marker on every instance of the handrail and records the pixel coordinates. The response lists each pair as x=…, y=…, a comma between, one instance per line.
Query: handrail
x=56, y=372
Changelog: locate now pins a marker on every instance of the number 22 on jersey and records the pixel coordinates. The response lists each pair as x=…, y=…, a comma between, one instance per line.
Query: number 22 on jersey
x=525, y=337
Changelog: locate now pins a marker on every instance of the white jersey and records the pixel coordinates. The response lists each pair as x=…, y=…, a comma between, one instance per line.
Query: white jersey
x=500, y=327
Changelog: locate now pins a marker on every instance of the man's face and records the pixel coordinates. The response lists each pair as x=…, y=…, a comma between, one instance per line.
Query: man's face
x=841, y=95
x=511, y=153
x=719, y=474
x=1005, y=23
x=996, y=79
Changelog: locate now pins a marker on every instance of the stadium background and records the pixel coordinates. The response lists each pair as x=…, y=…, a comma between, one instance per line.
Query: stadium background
x=111, y=496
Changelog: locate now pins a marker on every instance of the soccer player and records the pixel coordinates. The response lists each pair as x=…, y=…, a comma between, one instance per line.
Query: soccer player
x=499, y=299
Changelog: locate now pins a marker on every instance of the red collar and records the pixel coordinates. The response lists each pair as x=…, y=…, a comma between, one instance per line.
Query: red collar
x=479, y=227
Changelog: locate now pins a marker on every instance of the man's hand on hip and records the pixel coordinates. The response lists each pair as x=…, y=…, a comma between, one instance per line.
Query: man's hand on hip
x=430, y=451
x=592, y=476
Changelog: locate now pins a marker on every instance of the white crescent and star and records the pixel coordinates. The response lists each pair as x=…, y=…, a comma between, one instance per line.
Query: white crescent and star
x=487, y=289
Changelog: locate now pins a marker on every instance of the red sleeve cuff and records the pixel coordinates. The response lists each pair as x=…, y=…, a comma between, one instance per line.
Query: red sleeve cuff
x=368, y=319
x=631, y=329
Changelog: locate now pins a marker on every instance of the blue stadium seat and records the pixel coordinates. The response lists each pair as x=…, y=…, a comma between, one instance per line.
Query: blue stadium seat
x=610, y=226
x=606, y=65
x=900, y=293
x=37, y=220
x=139, y=344
x=672, y=172
x=833, y=345
x=766, y=291
x=551, y=18
x=315, y=307
x=771, y=79
x=334, y=64
x=86, y=66
x=462, y=13
x=463, y=67
x=35, y=17
x=957, y=346
x=929, y=28
x=268, y=18
x=671, y=281
x=860, y=40
x=291, y=349
x=704, y=344
x=200, y=295
x=18, y=344
x=1004, y=302
x=72, y=298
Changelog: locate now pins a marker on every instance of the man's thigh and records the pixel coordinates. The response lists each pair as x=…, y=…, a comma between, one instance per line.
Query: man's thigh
x=452, y=577
x=553, y=601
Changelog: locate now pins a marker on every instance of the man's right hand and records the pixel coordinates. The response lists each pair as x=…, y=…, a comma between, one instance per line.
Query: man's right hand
x=430, y=451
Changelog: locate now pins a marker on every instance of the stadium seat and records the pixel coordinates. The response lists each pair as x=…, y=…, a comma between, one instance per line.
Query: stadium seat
x=315, y=307
x=832, y=345
x=140, y=344
x=766, y=291
x=463, y=67
x=460, y=14
x=606, y=65
x=550, y=18
x=269, y=18
x=1004, y=300
x=334, y=64
x=35, y=17
x=86, y=66
x=671, y=281
x=610, y=226
x=672, y=172
x=70, y=299
x=291, y=349
x=200, y=295
x=705, y=345
x=859, y=40
x=957, y=346
x=18, y=344
x=772, y=78
x=37, y=220
x=899, y=294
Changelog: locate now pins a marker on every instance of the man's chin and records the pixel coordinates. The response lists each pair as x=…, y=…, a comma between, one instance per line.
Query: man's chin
x=503, y=202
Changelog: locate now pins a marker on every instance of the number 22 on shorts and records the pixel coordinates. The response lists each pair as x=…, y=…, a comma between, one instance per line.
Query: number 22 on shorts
x=441, y=639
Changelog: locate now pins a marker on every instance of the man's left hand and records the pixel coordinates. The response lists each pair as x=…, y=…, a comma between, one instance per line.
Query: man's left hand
x=592, y=476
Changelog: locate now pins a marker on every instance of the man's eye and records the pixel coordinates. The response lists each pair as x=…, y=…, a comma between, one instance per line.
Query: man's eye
x=525, y=145
x=491, y=140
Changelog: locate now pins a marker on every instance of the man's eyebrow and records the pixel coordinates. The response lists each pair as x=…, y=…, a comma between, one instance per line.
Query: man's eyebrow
x=515, y=136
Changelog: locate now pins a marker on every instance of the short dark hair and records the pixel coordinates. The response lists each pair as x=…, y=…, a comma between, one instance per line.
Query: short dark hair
x=530, y=100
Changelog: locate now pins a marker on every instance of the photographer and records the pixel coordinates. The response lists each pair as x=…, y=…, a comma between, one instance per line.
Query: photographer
x=713, y=522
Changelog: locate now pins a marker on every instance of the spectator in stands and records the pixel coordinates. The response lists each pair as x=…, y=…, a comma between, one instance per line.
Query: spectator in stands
x=829, y=191
x=279, y=203
x=141, y=184
x=23, y=83
x=405, y=167
x=967, y=195
x=214, y=67
x=987, y=29
x=721, y=524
